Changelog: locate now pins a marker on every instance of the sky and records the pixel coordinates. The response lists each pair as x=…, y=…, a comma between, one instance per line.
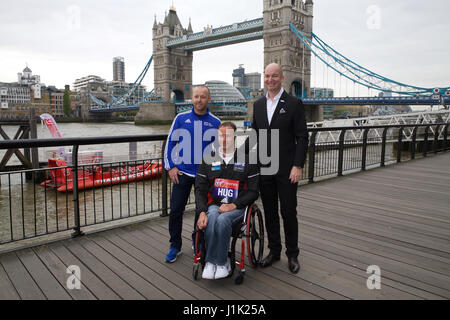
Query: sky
x=404, y=40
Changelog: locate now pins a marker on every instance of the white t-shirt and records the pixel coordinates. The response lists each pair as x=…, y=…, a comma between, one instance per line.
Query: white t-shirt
x=226, y=156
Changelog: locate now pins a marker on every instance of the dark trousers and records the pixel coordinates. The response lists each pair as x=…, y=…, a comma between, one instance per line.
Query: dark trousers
x=273, y=188
x=178, y=201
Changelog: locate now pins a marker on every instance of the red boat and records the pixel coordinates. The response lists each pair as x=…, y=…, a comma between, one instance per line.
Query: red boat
x=62, y=179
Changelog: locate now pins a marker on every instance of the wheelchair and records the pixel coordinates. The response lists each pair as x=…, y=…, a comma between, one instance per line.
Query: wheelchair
x=250, y=229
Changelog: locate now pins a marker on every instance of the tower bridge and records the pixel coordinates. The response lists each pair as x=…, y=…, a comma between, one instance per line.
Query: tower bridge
x=286, y=29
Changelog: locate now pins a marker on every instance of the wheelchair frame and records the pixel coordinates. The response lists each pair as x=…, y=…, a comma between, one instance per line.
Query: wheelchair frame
x=251, y=232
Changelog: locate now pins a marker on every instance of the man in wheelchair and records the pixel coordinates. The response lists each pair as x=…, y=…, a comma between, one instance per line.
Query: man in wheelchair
x=223, y=189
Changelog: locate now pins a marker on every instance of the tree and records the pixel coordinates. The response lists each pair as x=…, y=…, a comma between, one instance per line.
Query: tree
x=66, y=104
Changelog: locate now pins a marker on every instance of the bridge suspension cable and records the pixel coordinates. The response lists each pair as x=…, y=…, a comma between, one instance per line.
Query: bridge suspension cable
x=358, y=74
x=119, y=101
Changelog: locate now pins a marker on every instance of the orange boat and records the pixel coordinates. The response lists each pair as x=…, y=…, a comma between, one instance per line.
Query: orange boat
x=62, y=179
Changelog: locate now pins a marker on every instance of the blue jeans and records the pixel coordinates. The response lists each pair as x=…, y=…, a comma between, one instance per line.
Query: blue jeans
x=218, y=233
x=178, y=201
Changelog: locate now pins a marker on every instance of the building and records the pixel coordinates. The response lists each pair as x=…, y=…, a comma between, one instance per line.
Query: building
x=17, y=98
x=119, y=88
x=328, y=111
x=376, y=110
x=27, y=77
x=56, y=101
x=226, y=100
x=322, y=93
x=83, y=82
x=119, y=69
x=172, y=67
x=246, y=82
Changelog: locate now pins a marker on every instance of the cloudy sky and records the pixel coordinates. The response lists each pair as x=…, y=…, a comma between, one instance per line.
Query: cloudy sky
x=405, y=40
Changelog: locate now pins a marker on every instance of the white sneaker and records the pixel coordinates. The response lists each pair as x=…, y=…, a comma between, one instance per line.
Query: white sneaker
x=209, y=271
x=222, y=271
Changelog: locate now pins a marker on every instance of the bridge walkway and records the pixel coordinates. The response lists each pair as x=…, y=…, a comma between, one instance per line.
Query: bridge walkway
x=396, y=218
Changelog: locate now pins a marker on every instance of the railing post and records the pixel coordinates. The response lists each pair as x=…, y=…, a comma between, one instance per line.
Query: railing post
x=383, y=147
x=436, y=139
x=425, y=141
x=76, y=200
x=399, y=144
x=341, y=152
x=413, y=143
x=312, y=157
x=164, y=196
x=364, y=150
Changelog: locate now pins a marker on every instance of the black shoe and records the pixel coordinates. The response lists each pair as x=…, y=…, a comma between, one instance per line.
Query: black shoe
x=294, y=266
x=267, y=261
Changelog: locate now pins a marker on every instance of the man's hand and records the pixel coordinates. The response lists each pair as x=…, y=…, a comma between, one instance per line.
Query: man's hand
x=296, y=174
x=202, y=221
x=227, y=207
x=173, y=175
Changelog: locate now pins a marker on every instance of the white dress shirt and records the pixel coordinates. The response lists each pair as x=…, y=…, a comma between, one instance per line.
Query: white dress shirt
x=272, y=105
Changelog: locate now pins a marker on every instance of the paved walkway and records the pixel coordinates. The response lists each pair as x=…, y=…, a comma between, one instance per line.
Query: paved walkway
x=397, y=218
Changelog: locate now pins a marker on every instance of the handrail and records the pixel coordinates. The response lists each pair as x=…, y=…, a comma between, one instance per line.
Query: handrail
x=38, y=143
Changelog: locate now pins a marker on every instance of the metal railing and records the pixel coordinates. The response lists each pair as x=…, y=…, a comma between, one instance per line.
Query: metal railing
x=29, y=210
x=334, y=151
x=50, y=200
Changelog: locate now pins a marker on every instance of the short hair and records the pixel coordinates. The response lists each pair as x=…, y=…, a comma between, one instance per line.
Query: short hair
x=202, y=86
x=228, y=124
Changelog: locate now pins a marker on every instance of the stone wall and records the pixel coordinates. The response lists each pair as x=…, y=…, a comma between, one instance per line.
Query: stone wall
x=155, y=113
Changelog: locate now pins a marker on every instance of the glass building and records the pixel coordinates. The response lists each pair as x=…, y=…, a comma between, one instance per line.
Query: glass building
x=226, y=99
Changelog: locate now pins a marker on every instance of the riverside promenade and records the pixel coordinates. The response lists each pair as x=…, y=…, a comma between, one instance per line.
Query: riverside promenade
x=395, y=218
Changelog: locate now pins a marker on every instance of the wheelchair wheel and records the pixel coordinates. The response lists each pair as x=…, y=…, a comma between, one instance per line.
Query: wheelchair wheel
x=199, y=253
x=255, y=236
x=232, y=255
x=195, y=269
x=240, y=278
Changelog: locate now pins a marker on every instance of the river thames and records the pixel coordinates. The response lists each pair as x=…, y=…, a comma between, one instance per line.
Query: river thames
x=28, y=209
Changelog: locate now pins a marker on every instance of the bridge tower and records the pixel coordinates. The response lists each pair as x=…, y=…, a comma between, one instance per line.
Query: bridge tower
x=283, y=47
x=172, y=66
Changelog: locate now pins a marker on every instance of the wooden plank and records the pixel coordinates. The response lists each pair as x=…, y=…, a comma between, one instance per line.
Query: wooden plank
x=246, y=291
x=164, y=284
x=41, y=275
x=312, y=283
x=383, y=230
x=59, y=271
x=89, y=281
x=396, y=271
x=21, y=279
x=383, y=248
x=152, y=257
x=280, y=289
x=7, y=292
x=183, y=266
x=317, y=206
x=117, y=284
x=145, y=288
x=320, y=262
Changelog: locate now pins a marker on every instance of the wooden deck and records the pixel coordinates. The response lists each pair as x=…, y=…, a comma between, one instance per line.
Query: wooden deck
x=397, y=218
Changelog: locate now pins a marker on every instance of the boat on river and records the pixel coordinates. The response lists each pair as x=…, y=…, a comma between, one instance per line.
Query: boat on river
x=98, y=175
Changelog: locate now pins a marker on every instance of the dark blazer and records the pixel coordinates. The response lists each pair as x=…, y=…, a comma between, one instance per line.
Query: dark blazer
x=289, y=119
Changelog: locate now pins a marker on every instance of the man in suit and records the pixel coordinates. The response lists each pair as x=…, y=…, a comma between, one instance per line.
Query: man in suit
x=280, y=111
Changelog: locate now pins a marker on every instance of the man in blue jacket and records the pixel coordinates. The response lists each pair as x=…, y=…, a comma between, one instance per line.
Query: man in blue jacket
x=191, y=133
